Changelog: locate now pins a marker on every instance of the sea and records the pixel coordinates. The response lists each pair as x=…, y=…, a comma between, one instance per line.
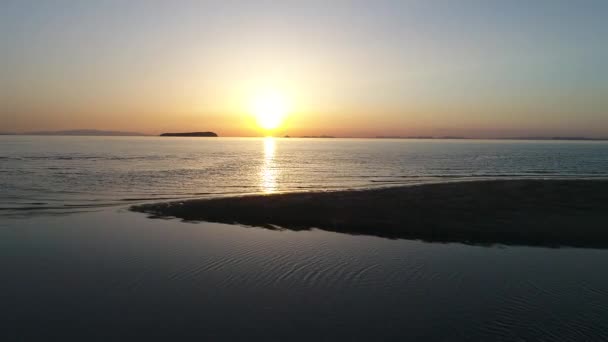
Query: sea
x=64, y=174
x=76, y=264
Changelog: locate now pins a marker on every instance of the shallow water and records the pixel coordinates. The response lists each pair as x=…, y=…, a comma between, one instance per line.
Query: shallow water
x=116, y=274
x=67, y=174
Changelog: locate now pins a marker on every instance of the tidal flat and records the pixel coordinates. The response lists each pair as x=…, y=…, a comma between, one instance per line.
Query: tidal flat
x=530, y=212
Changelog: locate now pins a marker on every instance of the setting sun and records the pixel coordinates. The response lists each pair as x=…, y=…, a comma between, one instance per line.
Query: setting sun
x=270, y=109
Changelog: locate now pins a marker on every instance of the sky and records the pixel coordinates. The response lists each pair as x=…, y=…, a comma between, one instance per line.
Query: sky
x=347, y=68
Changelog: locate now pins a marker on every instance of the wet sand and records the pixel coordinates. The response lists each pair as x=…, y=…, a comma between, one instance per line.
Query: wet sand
x=515, y=212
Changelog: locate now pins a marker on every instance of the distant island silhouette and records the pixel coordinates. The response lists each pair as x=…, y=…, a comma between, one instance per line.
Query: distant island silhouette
x=318, y=136
x=84, y=132
x=97, y=132
x=190, y=134
x=482, y=138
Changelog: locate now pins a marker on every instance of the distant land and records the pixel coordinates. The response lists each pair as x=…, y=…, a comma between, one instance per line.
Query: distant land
x=553, y=138
x=95, y=132
x=190, y=134
x=318, y=136
x=86, y=132
x=499, y=138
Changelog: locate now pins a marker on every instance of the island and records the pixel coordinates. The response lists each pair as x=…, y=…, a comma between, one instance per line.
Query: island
x=86, y=132
x=511, y=212
x=318, y=136
x=190, y=134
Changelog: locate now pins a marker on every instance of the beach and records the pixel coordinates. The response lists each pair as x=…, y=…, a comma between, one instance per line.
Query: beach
x=521, y=212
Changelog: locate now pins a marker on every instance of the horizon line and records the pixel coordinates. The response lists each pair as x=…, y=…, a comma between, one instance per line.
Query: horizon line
x=95, y=132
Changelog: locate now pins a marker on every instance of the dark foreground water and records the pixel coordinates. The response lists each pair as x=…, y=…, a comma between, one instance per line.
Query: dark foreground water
x=115, y=274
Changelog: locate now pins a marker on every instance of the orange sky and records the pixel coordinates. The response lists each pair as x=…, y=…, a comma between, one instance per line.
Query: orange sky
x=348, y=69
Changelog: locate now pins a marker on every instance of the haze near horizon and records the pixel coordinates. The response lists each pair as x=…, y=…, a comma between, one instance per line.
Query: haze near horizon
x=344, y=68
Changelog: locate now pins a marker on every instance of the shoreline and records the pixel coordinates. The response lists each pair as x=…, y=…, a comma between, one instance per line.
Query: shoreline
x=550, y=213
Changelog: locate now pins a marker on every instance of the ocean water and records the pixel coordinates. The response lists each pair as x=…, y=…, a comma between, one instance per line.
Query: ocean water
x=65, y=174
x=77, y=265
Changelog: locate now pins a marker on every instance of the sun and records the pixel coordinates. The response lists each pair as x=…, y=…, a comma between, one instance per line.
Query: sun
x=270, y=109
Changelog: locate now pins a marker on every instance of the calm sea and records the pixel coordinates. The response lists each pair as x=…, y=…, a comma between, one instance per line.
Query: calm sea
x=75, y=265
x=57, y=174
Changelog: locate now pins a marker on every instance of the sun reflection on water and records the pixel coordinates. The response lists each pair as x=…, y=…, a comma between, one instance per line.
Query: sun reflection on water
x=268, y=171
